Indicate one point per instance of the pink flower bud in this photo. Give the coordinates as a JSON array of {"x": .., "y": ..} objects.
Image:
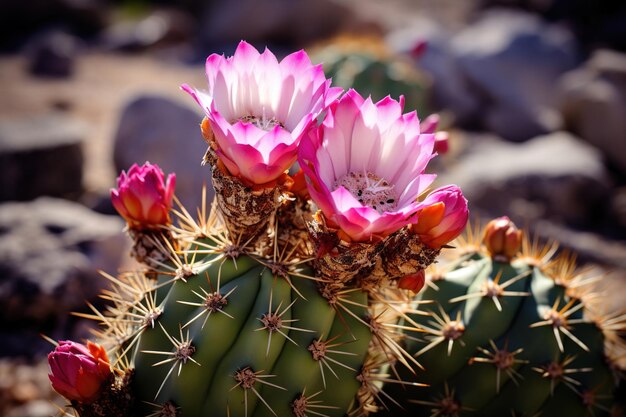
[
  {"x": 502, "y": 238},
  {"x": 429, "y": 125},
  {"x": 77, "y": 371},
  {"x": 143, "y": 197},
  {"x": 442, "y": 145},
  {"x": 414, "y": 282},
  {"x": 443, "y": 218}
]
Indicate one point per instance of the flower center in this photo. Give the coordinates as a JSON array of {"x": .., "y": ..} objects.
[
  {"x": 263, "y": 122},
  {"x": 370, "y": 189}
]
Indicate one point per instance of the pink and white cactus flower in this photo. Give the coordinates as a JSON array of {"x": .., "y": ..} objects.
[
  {"x": 365, "y": 166},
  {"x": 143, "y": 196},
  {"x": 77, "y": 371},
  {"x": 259, "y": 109},
  {"x": 443, "y": 218}
]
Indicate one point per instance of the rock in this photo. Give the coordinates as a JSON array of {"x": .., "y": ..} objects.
[
  {"x": 593, "y": 101},
  {"x": 38, "y": 408},
  {"x": 25, "y": 390},
  {"x": 19, "y": 19},
  {"x": 301, "y": 22},
  {"x": 450, "y": 89},
  {"x": 52, "y": 54},
  {"x": 512, "y": 60},
  {"x": 50, "y": 254},
  {"x": 41, "y": 155},
  {"x": 556, "y": 177},
  {"x": 588, "y": 246},
  {"x": 159, "y": 29},
  {"x": 594, "y": 23},
  {"x": 161, "y": 131}
]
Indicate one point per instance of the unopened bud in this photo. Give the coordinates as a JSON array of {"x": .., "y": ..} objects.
[
  {"x": 502, "y": 238},
  {"x": 414, "y": 282},
  {"x": 143, "y": 196},
  {"x": 443, "y": 217},
  {"x": 77, "y": 371}
]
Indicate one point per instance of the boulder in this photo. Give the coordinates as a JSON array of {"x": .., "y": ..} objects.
[
  {"x": 593, "y": 102},
  {"x": 556, "y": 177},
  {"x": 511, "y": 60},
  {"x": 52, "y": 54},
  {"x": 161, "y": 28},
  {"x": 593, "y": 22},
  {"x": 50, "y": 254},
  {"x": 302, "y": 22},
  {"x": 450, "y": 90},
  {"x": 162, "y": 131},
  {"x": 41, "y": 155}
]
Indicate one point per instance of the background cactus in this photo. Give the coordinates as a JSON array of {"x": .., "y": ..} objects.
[
  {"x": 510, "y": 332},
  {"x": 367, "y": 64}
]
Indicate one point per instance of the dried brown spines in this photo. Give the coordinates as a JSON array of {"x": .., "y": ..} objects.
[
  {"x": 372, "y": 265},
  {"x": 405, "y": 254},
  {"x": 245, "y": 208},
  {"x": 149, "y": 247},
  {"x": 339, "y": 261}
]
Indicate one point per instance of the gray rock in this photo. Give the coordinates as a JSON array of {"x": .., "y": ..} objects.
[
  {"x": 512, "y": 60},
  {"x": 160, "y": 28},
  {"x": 41, "y": 155},
  {"x": 593, "y": 101},
  {"x": 37, "y": 408},
  {"x": 588, "y": 246},
  {"x": 52, "y": 54},
  {"x": 164, "y": 132},
  {"x": 50, "y": 254},
  {"x": 450, "y": 89},
  {"x": 299, "y": 21},
  {"x": 556, "y": 176}
]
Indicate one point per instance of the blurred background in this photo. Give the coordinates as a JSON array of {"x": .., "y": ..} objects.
[{"x": 533, "y": 93}]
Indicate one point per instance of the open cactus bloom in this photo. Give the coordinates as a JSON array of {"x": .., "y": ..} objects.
[
  {"x": 259, "y": 109},
  {"x": 143, "y": 196},
  {"x": 77, "y": 371},
  {"x": 365, "y": 165}
]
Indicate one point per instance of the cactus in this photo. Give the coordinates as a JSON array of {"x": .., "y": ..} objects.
[
  {"x": 367, "y": 65},
  {"x": 510, "y": 332},
  {"x": 265, "y": 305},
  {"x": 240, "y": 336}
]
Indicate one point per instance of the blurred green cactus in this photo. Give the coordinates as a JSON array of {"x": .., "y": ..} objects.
[{"x": 367, "y": 65}]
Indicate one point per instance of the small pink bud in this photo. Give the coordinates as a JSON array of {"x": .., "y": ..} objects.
[
  {"x": 414, "y": 282},
  {"x": 442, "y": 145},
  {"x": 143, "y": 197},
  {"x": 429, "y": 125},
  {"x": 418, "y": 49},
  {"x": 77, "y": 371},
  {"x": 443, "y": 218},
  {"x": 502, "y": 238}
]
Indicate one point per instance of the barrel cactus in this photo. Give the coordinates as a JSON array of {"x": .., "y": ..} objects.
[
  {"x": 282, "y": 298},
  {"x": 508, "y": 328}
]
